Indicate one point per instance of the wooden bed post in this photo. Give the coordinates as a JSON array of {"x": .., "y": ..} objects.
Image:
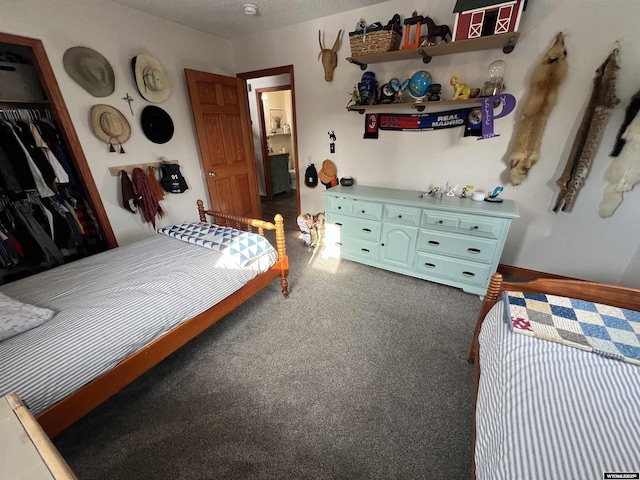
[
  {"x": 490, "y": 299},
  {"x": 282, "y": 254}
]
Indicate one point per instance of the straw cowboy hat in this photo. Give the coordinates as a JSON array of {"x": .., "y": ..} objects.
[
  {"x": 90, "y": 70},
  {"x": 328, "y": 171},
  {"x": 109, "y": 124},
  {"x": 151, "y": 77}
]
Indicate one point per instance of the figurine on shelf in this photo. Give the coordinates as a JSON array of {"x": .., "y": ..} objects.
[
  {"x": 435, "y": 31},
  {"x": 461, "y": 91},
  {"x": 355, "y": 97},
  {"x": 451, "y": 190},
  {"x": 433, "y": 94}
]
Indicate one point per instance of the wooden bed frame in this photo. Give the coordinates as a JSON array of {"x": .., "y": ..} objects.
[
  {"x": 70, "y": 409},
  {"x": 614, "y": 295}
]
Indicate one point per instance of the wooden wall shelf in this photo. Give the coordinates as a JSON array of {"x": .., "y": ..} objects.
[
  {"x": 420, "y": 106},
  {"x": 506, "y": 41}
]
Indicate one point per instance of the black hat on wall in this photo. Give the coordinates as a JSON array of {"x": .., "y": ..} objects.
[
  {"x": 156, "y": 124},
  {"x": 311, "y": 176}
]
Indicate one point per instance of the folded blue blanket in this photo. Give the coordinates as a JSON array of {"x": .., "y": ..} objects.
[
  {"x": 609, "y": 331},
  {"x": 241, "y": 247}
]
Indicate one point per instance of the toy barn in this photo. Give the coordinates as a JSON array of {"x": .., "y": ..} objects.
[{"x": 481, "y": 18}]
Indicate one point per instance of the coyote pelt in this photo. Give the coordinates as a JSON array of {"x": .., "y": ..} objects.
[{"x": 544, "y": 84}]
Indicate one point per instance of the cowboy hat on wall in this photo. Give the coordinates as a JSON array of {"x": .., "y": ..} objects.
[
  {"x": 90, "y": 70},
  {"x": 110, "y": 126},
  {"x": 151, "y": 78}
]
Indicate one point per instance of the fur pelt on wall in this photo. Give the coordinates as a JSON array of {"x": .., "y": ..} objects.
[
  {"x": 544, "y": 84},
  {"x": 603, "y": 100},
  {"x": 630, "y": 113},
  {"x": 624, "y": 171}
]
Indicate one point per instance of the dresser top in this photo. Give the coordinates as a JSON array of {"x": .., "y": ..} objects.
[{"x": 507, "y": 208}]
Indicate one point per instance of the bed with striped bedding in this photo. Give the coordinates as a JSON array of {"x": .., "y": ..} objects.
[
  {"x": 546, "y": 410},
  {"x": 109, "y": 306}
]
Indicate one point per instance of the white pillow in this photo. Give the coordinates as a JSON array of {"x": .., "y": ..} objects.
[{"x": 17, "y": 317}]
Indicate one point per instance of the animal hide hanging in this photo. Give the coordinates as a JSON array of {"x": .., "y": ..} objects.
[
  {"x": 544, "y": 84},
  {"x": 624, "y": 171},
  {"x": 630, "y": 113},
  {"x": 603, "y": 100}
]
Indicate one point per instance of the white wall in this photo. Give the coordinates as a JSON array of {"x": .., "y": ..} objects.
[
  {"x": 119, "y": 34},
  {"x": 578, "y": 244}
]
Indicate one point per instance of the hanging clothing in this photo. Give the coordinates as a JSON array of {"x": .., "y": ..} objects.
[
  {"x": 148, "y": 204},
  {"x": 50, "y": 134},
  {"x": 61, "y": 174}
]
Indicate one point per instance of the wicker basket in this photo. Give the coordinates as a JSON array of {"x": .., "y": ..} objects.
[{"x": 376, "y": 42}]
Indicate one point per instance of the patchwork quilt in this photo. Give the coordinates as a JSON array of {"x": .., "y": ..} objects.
[
  {"x": 609, "y": 331},
  {"x": 239, "y": 246}
]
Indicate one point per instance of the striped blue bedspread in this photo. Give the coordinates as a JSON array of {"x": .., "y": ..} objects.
[
  {"x": 548, "y": 411},
  {"x": 107, "y": 307}
]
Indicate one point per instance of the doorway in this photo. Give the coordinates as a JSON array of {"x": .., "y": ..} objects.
[{"x": 271, "y": 99}]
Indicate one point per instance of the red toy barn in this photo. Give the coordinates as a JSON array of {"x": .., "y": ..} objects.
[{"x": 480, "y": 18}]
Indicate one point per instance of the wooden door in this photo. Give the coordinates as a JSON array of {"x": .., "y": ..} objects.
[{"x": 221, "y": 115}]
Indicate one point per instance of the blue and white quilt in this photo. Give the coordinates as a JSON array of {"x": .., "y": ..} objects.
[
  {"x": 609, "y": 331},
  {"x": 241, "y": 247}
]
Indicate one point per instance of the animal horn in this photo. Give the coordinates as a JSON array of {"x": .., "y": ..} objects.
[{"x": 336, "y": 44}]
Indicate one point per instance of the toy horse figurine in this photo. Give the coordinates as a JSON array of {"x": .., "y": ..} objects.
[{"x": 435, "y": 31}]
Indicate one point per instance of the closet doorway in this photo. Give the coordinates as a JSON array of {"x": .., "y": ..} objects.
[
  {"x": 50, "y": 215},
  {"x": 271, "y": 99}
]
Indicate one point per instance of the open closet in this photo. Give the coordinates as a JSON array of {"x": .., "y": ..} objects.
[{"x": 50, "y": 209}]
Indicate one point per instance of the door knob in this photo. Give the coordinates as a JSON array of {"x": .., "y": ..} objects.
[{"x": 212, "y": 174}]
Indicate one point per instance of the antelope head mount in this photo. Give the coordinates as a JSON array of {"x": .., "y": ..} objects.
[{"x": 329, "y": 56}]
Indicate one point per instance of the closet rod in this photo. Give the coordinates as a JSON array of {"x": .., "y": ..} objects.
[{"x": 115, "y": 171}]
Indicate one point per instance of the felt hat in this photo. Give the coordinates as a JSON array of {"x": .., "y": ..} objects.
[
  {"x": 311, "y": 176},
  {"x": 151, "y": 78},
  {"x": 156, "y": 124},
  {"x": 328, "y": 171},
  {"x": 109, "y": 124},
  {"x": 90, "y": 70}
]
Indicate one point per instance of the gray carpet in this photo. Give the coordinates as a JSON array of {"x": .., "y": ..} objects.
[{"x": 360, "y": 374}]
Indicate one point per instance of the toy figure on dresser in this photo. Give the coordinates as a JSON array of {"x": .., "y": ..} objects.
[
  {"x": 451, "y": 190},
  {"x": 493, "y": 196},
  {"x": 461, "y": 91},
  {"x": 466, "y": 190}
]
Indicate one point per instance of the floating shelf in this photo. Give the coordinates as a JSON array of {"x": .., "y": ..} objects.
[
  {"x": 506, "y": 41},
  {"x": 420, "y": 106}
]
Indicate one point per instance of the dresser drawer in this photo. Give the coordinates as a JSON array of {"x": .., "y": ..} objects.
[
  {"x": 463, "y": 246},
  {"x": 356, "y": 227},
  {"x": 459, "y": 270},
  {"x": 357, "y": 208},
  {"x": 475, "y": 225},
  {"x": 359, "y": 249},
  {"x": 401, "y": 214}
]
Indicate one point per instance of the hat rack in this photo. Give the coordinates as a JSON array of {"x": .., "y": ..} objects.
[{"x": 115, "y": 171}]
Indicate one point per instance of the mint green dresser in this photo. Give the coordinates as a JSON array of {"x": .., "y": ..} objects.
[{"x": 454, "y": 241}]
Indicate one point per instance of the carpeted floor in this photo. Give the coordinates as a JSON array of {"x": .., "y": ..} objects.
[{"x": 360, "y": 374}]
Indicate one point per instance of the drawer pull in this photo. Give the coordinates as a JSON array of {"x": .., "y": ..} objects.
[
  {"x": 399, "y": 216},
  {"x": 434, "y": 243},
  {"x": 339, "y": 243},
  {"x": 365, "y": 250},
  {"x": 338, "y": 224},
  {"x": 440, "y": 222},
  {"x": 475, "y": 251},
  {"x": 430, "y": 265},
  {"x": 362, "y": 211},
  {"x": 468, "y": 274},
  {"x": 368, "y": 230},
  {"x": 475, "y": 227}
]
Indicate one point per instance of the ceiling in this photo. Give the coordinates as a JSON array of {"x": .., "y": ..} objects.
[{"x": 226, "y": 18}]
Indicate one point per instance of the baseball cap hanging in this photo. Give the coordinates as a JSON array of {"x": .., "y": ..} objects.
[
  {"x": 151, "y": 78},
  {"x": 311, "y": 176},
  {"x": 156, "y": 124},
  {"x": 328, "y": 171},
  {"x": 90, "y": 70},
  {"x": 110, "y": 126}
]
